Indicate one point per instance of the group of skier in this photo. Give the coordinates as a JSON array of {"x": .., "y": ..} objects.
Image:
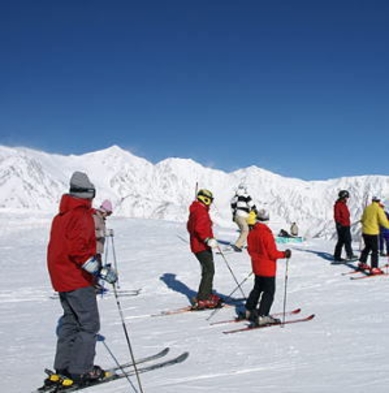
[
  {"x": 375, "y": 227},
  {"x": 76, "y": 245}
]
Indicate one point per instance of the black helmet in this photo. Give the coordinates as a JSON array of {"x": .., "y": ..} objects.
[{"x": 344, "y": 194}]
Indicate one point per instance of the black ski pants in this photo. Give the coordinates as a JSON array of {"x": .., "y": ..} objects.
[
  {"x": 344, "y": 239},
  {"x": 371, "y": 245},
  {"x": 207, "y": 273},
  {"x": 263, "y": 292}
]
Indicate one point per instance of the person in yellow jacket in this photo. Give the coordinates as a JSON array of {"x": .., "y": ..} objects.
[{"x": 372, "y": 218}]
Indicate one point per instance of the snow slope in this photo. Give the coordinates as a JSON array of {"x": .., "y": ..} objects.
[{"x": 344, "y": 349}]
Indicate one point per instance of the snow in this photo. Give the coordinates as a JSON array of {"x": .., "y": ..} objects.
[
  {"x": 344, "y": 349},
  {"x": 32, "y": 180}
]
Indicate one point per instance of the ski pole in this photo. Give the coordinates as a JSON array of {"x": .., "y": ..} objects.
[
  {"x": 114, "y": 256},
  {"x": 106, "y": 249},
  {"x": 232, "y": 273},
  {"x": 285, "y": 292},
  {"x": 127, "y": 337},
  {"x": 229, "y": 296},
  {"x": 102, "y": 339}
]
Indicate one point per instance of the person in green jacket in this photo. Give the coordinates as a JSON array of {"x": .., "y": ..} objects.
[{"x": 372, "y": 218}]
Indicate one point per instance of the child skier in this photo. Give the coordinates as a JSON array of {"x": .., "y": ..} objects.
[{"x": 262, "y": 249}]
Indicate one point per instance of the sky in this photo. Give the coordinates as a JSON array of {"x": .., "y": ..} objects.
[{"x": 299, "y": 88}]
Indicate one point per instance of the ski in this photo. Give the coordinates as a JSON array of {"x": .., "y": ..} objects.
[
  {"x": 225, "y": 242},
  {"x": 107, "y": 292},
  {"x": 367, "y": 274},
  {"x": 112, "y": 370},
  {"x": 358, "y": 270},
  {"x": 145, "y": 359},
  {"x": 185, "y": 309},
  {"x": 120, "y": 292},
  {"x": 114, "y": 374},
  {"x": 290, "y": 321},
  {"x": 292, "y": 312}
]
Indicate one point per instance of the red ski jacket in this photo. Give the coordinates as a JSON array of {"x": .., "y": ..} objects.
[
  {"x": 199, "y": 226},
  {"x": 262, "y": 249},
  {"x": 72, "y": 242},
  {"x": 342, "y": 213}
]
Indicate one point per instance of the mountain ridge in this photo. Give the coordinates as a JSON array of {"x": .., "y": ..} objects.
[{"x": 35, "y": 180}]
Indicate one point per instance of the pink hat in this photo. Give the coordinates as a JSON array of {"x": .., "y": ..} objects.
[{"x": 107, "y": 206}]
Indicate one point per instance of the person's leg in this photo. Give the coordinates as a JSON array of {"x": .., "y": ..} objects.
[
  {"x": 67, "y": 330},
  {"x": 374, "y": 251},
  {"x": 339, "y": 244},
  {"x": 269, "y": 288},
  {"x": 83, "y": 304},
  {"x": 366, "y": 249},
  {"x": 207, "y": 273},
  {"x": 244, "y": 231},
  {"x": 347, "y": 242},
  {"x": 252, "y": 300}
]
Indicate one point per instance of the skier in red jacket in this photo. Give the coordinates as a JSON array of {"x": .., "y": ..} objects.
[
  {"x": 201, "y": 243},
  {"x": 73, "y": 269},
  {"x": 343, "y": 225},
  {"x": 262, "y": 249}
]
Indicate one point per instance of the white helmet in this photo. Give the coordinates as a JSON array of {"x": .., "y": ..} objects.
[
  {"x": 263, "y": 215},
  {"x": 241, "y": 189}
]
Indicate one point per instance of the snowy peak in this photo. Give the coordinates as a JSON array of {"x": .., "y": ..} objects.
[{"x": 35, "y": 180}]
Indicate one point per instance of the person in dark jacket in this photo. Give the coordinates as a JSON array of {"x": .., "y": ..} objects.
[
  {"x": 73, "y": 269},
  {"x": 202, "y": 241},
  {"x": 263, "y": 252},
  {"x": 342, "y": 222}
]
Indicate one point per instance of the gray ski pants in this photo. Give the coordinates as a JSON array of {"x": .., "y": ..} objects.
[{"x": 77, "y": 331}]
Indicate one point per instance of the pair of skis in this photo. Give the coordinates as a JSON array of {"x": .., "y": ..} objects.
[
  {"x": 250, "y": 326},
  {"x": 119, "y": 372},
  {"x": 247, "y": 327},
  {"x": 364, "y": 273}
]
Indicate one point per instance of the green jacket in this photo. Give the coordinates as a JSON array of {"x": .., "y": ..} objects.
[{"x": 373, "y": 216}]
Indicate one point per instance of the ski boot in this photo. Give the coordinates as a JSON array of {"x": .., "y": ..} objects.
[{"x": 266, "y": 320}]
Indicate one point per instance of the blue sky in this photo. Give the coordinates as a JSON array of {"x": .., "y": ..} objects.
[{"x": 297, "y": 87}]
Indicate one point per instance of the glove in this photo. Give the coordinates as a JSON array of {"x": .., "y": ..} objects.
[
  {"x": 108, "y": 273},
  {"x": 212, "y": 242},
  {"x": 288, "y": 253},
  {"x": 92, "y": 266}
]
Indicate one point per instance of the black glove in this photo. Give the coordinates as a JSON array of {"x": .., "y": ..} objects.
[{"x": 288, "y": 253}]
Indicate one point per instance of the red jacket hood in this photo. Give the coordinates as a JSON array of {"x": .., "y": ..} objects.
[{"x": 69, "y": 202}]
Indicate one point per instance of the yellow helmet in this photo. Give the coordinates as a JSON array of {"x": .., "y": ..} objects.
[
  {"x": 205, "y": 196},
  {"x": 251, "y": 218}
]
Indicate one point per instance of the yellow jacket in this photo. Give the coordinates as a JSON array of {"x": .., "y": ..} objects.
[{"x": 373, "y": 216}]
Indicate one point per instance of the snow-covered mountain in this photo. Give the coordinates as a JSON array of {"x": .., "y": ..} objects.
[{"x": 35, "y": 180}]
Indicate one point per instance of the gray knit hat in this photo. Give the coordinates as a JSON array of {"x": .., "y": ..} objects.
[{"x": 81, "y": 187}]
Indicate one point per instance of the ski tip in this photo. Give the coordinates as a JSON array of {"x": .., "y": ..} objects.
[
  {"x": 183, "y": 356},
  {"x": 165, "y": 351}
]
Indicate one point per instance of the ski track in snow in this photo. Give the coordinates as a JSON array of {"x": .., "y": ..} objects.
[{"x": 344, "y": 349}]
